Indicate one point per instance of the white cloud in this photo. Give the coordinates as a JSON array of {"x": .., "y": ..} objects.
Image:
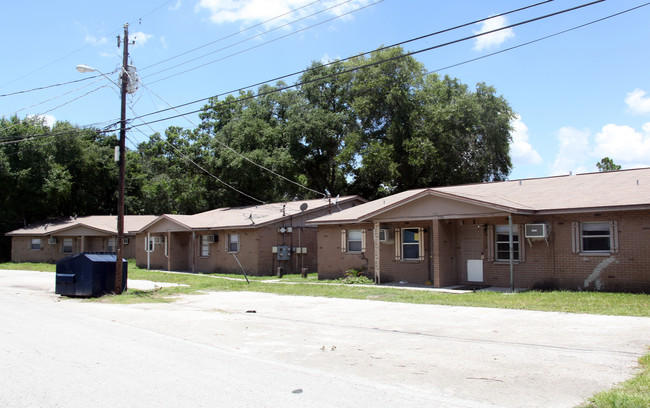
[
  {"x": 326, "y": 59},
  {"x": 91, "y": 39},
  {"x": 255, "y": 11},
  {"x": 47, "y": 120},
  {"x": 623, "y": 144},
  {"x": 521, "y": 150},
  {"x": 489, "y": 41},
  {"x": 573, "y": 149},
  {"x": 140, "y": 38},
  {"x": 637, "y": 102},
  {"x": 175, "y": 6}
]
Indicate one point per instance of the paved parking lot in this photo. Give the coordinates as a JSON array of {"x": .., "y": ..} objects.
[{"x": 256, "y": 349}]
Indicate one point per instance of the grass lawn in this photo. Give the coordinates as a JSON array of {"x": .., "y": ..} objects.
[
  {"x": 621, "y": 304},
  {"x": 631, "y": 394}
]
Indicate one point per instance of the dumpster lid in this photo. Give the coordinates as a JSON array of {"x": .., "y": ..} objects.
[{"x": 101, "y": 257}]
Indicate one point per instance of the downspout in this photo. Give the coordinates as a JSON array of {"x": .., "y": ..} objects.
[
  {"x": 146, "y": 248},
  {"x": 375, "y": 236},
  {"x": 511, "y": 250},
  {"x": 302, "y": 256},
  {"x": 430, "y": 257}
]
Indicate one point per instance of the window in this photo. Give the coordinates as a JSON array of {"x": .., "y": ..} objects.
[
  {"x": 111, "y": 245},
  {"x": 354, "y": 241},
  {"x": 595, "y": 236},
  {"x": 205, "y": 246},
  {"x": 502, "y": 241},
  {"x": 233, "y": 243},
  {"x": 411, "y": 243},
  {"x": 67, "y": 245},
  {"x": 36, "y": 244},
  {"x": 149, "y": 244}
]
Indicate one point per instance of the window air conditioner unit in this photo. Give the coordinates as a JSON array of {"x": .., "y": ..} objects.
[
  {"x": 157, "y": 240},
  {"x": 383, "y": 235},
  {"x": 52, "y": 240},
  {"x": 210, "y": 239},
  {"x": 536, "y": 231},
  {"x": 125, "y": 241}
]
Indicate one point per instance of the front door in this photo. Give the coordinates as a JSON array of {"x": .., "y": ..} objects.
[{"x": 471, "y": 253}]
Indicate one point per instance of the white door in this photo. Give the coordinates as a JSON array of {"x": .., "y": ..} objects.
[
  {"x": 475, "y": 270},
  {"x": 471, "y": 250}
]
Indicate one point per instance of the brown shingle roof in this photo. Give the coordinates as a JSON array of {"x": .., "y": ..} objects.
[
  {"x": 573, "y": 193},
  {"x": 249, "y": 216},
  {"x": 101, "y": 223}
]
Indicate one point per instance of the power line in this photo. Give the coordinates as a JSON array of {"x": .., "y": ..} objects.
[
  {"x": 79, "y": 49},
  {"x": 160, "y": 62},
  {"x": 280, "y": 89},
  {"x": 52, "y": 99},
  {"x": 48, "y": 86},
  {"x": 230, "y": 35},
  {"x": 541, "y": 38},
  {"x": 355, "y": 56},
  {"x": 225, "y": 146},
  {"x": 258, "y": 45}
]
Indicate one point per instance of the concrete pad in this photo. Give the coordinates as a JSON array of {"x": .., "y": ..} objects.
[{"x": 410, "y": 355}]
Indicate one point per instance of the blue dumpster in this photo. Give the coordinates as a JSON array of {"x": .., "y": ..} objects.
[{"x": 88, "y": 274}]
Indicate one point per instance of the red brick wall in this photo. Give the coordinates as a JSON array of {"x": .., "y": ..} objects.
[
  {"x": 411, "y": 271},
  {"x": 332, "y": 263},
  {"x": 556, "y": 266}
]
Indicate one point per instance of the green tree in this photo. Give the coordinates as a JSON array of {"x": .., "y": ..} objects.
[
  {"x": 422, "y": 130},
  {"x": 54, "y": 172},
  {"x": 607, "y": 164},
  {"x": 238, "y": 135}
]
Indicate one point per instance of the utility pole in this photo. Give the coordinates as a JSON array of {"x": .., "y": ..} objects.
[{"x": 119, "y": 269}]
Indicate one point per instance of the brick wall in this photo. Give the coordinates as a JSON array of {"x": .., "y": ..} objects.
[
  {"x": 332, "y": 262},
  {"x": 554, "y": 265}
]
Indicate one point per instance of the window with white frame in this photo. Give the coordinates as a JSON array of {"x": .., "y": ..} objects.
[
  {"x": 67, "y": 245},
  {"x": 354, "y": 241},
  {"x": 411, "y": 243},
  {"x": 111, "y": 245},
  {"x": 36, "y": 244},
  {"x": 502, "y": 242},
  {"x": 205, "y": 246},
  {"x": 233, "y": 243},
  {"x": 595, "y": 237}
]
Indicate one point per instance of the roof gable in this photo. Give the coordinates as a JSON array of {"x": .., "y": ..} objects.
[{"x": 627, "y": 189}]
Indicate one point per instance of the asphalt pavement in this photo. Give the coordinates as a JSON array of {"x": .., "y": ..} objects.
[{"x": 246, "y": 349}]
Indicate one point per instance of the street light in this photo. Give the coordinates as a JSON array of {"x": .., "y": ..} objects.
[
  {"x": 119, "y": 269},
  {"x": 85, "y": 68}
]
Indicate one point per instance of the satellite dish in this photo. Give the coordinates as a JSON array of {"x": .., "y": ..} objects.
[{"x": 303, "y": 206}]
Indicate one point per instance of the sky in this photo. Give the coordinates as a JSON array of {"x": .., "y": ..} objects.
[{"x": 580, "y": 95}]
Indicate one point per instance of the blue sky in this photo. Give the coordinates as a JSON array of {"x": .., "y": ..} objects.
[{"x": 579, "y": 96}]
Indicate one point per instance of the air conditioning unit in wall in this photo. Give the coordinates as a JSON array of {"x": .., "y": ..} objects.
[
  {"x": 125, "y": 241},
  {"x": 536, "y": 231},
  {"x": 211, "y": 239},
  {"x": 52, "y": 240},
  {"x": 157, "y": 240}
]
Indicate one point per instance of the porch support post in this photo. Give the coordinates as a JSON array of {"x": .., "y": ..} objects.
[
  {"x": 511, "y": 250},
  {"x": 375, "y": 240},
  {"x": 146, "y": 248}
]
